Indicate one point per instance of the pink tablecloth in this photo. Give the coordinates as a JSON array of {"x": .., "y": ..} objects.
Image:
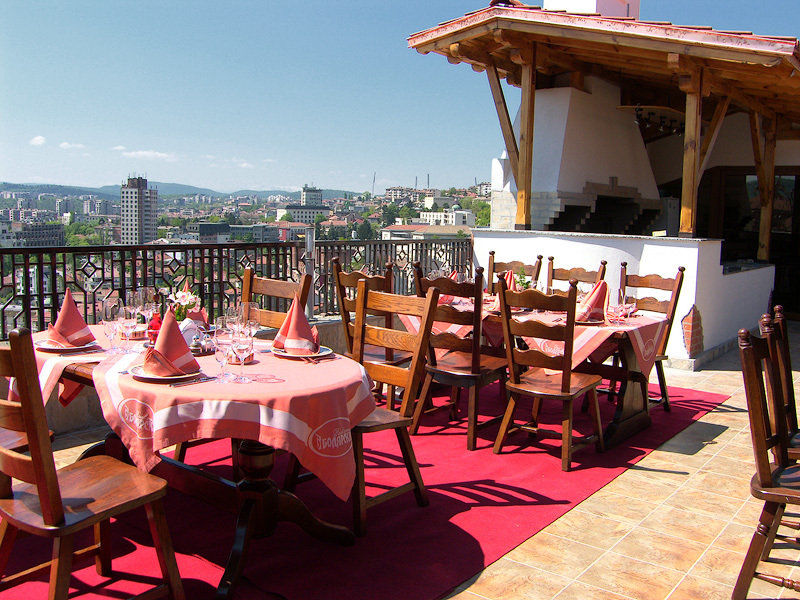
[
  {"x": 308, "y": 409},
  {"x": 51, "y": 365},
  {"x": 644, "y": 333}
]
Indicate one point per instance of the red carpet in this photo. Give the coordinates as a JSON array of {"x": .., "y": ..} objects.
[{"x": 481, "y": 506}]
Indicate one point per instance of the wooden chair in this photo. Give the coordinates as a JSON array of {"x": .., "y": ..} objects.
[
  {"x": 85, "y": 494},
  {"x": 534, "y": 381},
  {"x": 665, "y": 307},
  {"x": 783, "y": 360},
  {"x": 776, "y": 480},
  {"x": 496, "y": 268},
  {"x": 273, "y": 291},
  {"x": 459, "y": 362},
  {"x": 406, "y": 376},
  {"x": 346, "y": 284},
  {"x": 578, "y": 274}
]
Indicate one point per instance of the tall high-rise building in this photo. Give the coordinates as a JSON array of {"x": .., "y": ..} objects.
[
  {"x": 311, "y": 196},
  {"x": 139, "y": 209}
]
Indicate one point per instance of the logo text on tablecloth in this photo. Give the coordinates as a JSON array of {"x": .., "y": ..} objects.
[
  {"x": 331, "y": 439},
  {"x": 138, "y": 416}
]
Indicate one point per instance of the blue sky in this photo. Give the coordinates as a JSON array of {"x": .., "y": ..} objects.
[{"x": 262, "y": 94}]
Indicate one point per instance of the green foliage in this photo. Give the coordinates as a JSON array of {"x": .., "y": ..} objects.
[
  {"x": 389, "y": 213},
  {"x": 365, "y": 231},
  {"x": 483, "y": 213},
  {"x": 287, "y": 217},
  {"x": 522, "y": 282},
  {"x": 320, "y": 218},
  {"x": 408, "y": 212}
]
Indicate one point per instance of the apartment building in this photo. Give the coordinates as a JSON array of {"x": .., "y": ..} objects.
[{"x": 139, "y": 211}]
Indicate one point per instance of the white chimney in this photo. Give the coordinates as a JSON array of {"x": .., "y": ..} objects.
[{"x": 609, "y": 8}]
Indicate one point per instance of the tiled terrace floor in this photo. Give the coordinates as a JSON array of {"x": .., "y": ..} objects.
[{"x": 674, "y": 526}]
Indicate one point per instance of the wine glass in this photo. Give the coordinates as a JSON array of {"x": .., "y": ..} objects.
[
  {"x": 128, "y": 325},
  {"x": 111, "y": 310},
  {"x": 222, "y": 340},
  {"x": 243, "y": 349},
  {"x": 233, "y": 316}
]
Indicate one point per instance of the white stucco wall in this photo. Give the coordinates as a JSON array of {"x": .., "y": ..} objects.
[
  {"x": 601, "y": 141},
  {"x": 726, "y": 302},
  {"x": 611, "y": 8}
]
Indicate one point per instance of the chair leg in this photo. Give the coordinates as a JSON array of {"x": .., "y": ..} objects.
[
  {"x": 472, "y": 418},
  {"x": 235, "y": 443},
  {"x": 390, "y": 397},
  {"x": 180, "y": 452},
  {"x": 359, "y": 487},
  {"x": 773, "y": 531},
  {"x": 61, "y": 567},
  {"x": 419, "y": 408},
  {"x": 598, "y": 426},
  {"x": 164, "y": 550},
  {"x": 102, "y": 537},
  {"x": 537, "y": 405},
  {"x": 566, "y": 436},
  {"x": 662, "y": 383},
  {"x": 410, "y": 460},
  {"x": 8, "y": 534},
  {"x": 753, "y": 555},
  {"x": 508, "y": 419},
  {"x": 612, "y": 383}
]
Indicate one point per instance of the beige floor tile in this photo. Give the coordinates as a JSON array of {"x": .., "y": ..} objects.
[
  {"x": 463, "y": 595},
  {"x": 617, "y": 507},
  {"x": 510, "y": 580},
  {"x": 692, "y": 526},
  {"x": 631, "y": 577},
  {"x": 749, "y": 513},
  {"x": 732, "y": 487},
  {"x": 694, "y": 459},
  {"x": 738, "y": 452},
  {"x": 555, "y": 554},
  {"x": 719, "y": 565},
  {"x": 661, "y": 549},
  {"x": 728, "y": 466},
  {"x": 582, "y": 591},
  {"x": 735, "y": 537},
  {"x": 695, "y": 588},
  {"x": 666, "y": 473},
  {"x": 640, "y": 486},
  {"x": 589, "y": 528},
  {"x": 702, "y": 501}
]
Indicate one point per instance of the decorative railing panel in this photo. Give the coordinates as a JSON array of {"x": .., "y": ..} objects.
[{"x": 33, "y": 280}]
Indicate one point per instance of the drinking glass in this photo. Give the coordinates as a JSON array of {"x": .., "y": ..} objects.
[
  {"x": 111, "y": 310},
  {"x": 128, "y": 325},
  {"x": 233, "y": 316},
  {"x": 222, "y": 349},
  {"x": 243, "y": 348}
]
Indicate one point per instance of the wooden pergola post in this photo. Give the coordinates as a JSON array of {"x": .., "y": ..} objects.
[
  {"x": 692, "y": 85},
  {"x": 764, "y": 158},
  {"x": 506, "y": 126},
  {"x": 525, "y": 171}
]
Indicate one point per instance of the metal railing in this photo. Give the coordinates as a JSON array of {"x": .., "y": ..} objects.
[{"x": 34, "y": 279}]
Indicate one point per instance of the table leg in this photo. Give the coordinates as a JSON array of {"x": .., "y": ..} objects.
[
  {"x": 263, "y": 506},
  {"x": 631, "y": 415}
]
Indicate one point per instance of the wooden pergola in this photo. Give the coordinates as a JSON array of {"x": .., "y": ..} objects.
[{"x": 702, "y": 73}]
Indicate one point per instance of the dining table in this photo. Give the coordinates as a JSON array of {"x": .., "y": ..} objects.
[
  {"x": 303, "y": 406},
  {"x": 636, "y": 337}
]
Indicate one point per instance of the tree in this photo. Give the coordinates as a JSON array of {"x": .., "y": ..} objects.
[
  {"x": 365, "y": 231},
  {"x": 390, "y": 213},
  {"x": 287, "y": 217},
  {"x": 483, "y": 213}
]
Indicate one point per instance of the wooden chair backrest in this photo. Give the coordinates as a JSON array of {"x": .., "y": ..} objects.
[
  {"x": 497, "y": 268},
  {"x": 562, "y": 332},
  {"x": 446, "y": 313},
  {"x": 276, "y": 289},
  {"x": 409, "y": 375},
  {"x": 578, "y": 274},
  {"x": 783, "y": 360},
  {"x": 764, "y": 404},
  {"x": 346, "y": 284},
  {"x": 24, "y": 412},
  {"x": 653, "y": 282}
]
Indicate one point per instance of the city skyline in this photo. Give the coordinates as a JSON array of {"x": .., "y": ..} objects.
[{"x": 252, "y": 96}]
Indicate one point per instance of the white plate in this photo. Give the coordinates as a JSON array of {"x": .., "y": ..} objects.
[
  {"x": 263, "y": 346},
  {"x": 323, "y": 351},
  {"x": 590, "y": 322},
  {"x": 138, "y": 373},
  {"x": 48, "y": 346}
]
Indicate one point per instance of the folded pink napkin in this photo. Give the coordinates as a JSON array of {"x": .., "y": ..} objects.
[
  {"x": 511, "y": 281},
  {"x": 295, "y": 335},
  {"x": 595, "y": 304},
  {"x": 170, "y": 355},
  {"x": 70, "y": 329},
  {"x": 199, "y": 316}
]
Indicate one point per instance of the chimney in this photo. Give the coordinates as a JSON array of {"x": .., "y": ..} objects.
[{"x": 608, "y": 8}]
